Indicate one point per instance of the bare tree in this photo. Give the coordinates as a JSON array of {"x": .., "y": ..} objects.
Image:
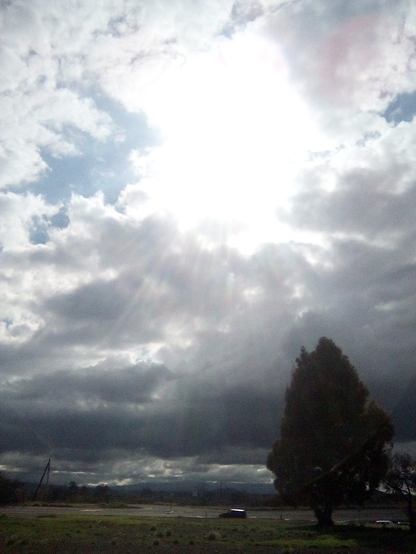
[{"x": 401, "y": 479}]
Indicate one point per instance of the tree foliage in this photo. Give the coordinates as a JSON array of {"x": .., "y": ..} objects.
[
  {"x": 334, "y": 441},
  {"x": 401, "y": 479},
  {"x": 9, "y": 490}
]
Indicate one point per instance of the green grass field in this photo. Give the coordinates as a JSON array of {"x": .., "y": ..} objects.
[{"x": 123, "y": 535}]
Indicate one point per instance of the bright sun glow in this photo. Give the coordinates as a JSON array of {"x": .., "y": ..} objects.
[{"x": 234, "y": 133}]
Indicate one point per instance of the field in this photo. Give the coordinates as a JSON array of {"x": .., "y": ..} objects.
[{"x": 127, "y": 534}]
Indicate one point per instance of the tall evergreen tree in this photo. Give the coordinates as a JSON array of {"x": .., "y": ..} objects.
[{"x": 334, "y": 441}]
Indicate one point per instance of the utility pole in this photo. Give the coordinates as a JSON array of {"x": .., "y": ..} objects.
[{"x": 46, "y": 472}]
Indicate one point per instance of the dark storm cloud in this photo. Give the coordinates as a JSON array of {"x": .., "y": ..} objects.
[
  {"x": 230, "y": 455},
  {"x": 239, "y": 402},
  {"x": 96, "y": 415},
  {"x": 133, "y": 384},
  {"x": 213, "y": 416},
  {"x": 403, "y": 414},
  {"x": 101, "y": 411},
  {"x": 372, "y": 288}
]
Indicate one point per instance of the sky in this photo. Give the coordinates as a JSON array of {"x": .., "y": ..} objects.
[{"x": 191, "y": 191}]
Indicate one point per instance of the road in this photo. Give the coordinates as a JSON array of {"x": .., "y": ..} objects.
[{"x": 147, "y": 510}]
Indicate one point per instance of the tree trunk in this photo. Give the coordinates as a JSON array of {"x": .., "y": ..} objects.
[{"x": 324, "y": 515}]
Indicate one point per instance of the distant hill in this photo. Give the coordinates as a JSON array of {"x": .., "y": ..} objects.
[{"x": 196, "y": 486}]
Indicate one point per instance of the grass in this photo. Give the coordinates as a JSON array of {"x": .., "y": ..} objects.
[{"x": 127, "y": 534}]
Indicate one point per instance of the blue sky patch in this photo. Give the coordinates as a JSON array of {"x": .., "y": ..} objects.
[
  {"x": 102, "y": 165},
  {"x": 403, "y": 108}
]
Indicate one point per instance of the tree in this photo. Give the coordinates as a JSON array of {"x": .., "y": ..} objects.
[
  {"x": 102, "y": 491},
  {"x": 401, "y": 478},
  {"x": 9, "y": 490},
  {"x": 334, "y": 441}
]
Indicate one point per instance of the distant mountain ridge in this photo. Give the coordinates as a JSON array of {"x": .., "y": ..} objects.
[{"x": 198, "y": 487}]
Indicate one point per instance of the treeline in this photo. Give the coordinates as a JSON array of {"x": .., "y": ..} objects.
[
  {"x": 105, "y": 494},
  {"x": 13, "y": 491}
]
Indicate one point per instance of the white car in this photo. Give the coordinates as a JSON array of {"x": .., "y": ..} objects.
[
  {"x": 234, "y": 512},
  {"x": 384, "y": 522}
]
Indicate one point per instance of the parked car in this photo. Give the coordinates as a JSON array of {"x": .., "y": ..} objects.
[
  {"x": 234, "y": 512},
  {"x": 384, "y": 522}
]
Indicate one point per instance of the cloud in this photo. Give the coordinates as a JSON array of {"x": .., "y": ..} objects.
[
  {"x": 227, "y": 326},
  {"x": 134, "y": 384},
  {"x": 94, "y": 415},
  {"x": 190, "y": 193}
]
